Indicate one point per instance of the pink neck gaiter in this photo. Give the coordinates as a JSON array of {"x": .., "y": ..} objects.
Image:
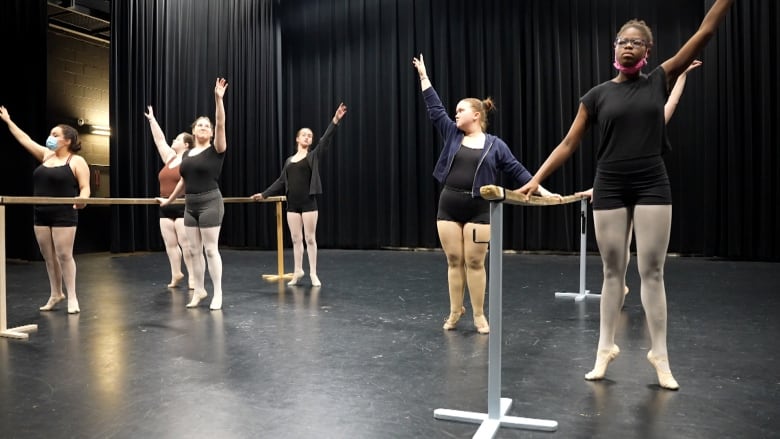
[{"x": 632, "y": 69}]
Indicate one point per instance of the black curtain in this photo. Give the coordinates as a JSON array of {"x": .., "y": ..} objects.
[
  {"x": 535, "y": 58},
  {"x": 23, "y": 93},
  {"x": 168, "y": 54}
]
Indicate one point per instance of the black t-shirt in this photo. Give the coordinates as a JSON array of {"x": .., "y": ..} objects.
[
  {"x": 630, "y": 117},
  {"x": 201, "y": 171}
]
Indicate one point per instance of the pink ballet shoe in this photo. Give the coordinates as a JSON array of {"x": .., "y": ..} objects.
[
  {"x": 176, "y": 280},
  {"x": 661, "y": 365},
  {"x": 452, "y": 320},
  {"x": 482, "y": 324},
  {"x": 603, "y": 358},
  {"x": 296, "y": 278},
  {"x": 53, "y": 301},
  {"x": 73, "y": 307},
  {"x": 197, "y": 296},
  {"x": 315, "y": 281},
  {"x": 216, "y": 303}
]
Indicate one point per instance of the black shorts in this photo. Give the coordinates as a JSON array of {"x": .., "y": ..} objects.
[
  {"x": 172, "y": 211},
  {"x": 458, "y": 205},
  {"x": 631, "y": 182},
  {"x": 309, "y": 204},
  {"x": 55, "y": 215}
]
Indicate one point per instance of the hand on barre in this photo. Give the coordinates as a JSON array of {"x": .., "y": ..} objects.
[{"x": 258, "y": 197}]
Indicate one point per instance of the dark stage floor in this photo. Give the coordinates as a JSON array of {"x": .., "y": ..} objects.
[{"x": 365, "y": 356}]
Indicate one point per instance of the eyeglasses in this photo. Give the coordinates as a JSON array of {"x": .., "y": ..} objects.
[{"x": 638, "y": 42}]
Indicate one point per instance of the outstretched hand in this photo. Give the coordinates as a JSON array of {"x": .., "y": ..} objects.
[
  {"x": 220, "y": 87},
  {"x": 696, "y": 63},
  {"x": 419, "y": 64},
  {"x": 150, "y": 113},
  {"x": 340, "y": 112},
  {"x": 527, "y": 190},
  {"x": 4, "y": 114}
]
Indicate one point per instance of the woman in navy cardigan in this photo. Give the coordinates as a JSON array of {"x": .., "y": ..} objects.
[{"x": 470, "y": 159}]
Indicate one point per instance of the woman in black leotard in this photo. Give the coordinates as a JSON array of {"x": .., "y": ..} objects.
[
  {"x": 61, "y": 173},
  {"x": 300, "y": 182}
]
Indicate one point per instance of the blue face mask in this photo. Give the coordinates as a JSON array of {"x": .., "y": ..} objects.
[{"x": 51, "y": 143}]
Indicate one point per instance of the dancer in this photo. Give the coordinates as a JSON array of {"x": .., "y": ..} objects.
[
  {"x": 631, "y": 183},
  {"x": 172, "y": 215},
  {"x": 470, "y": 159},
  {"x": 300, "y": 182},
  {"x": 200, "y": 169},
  {"x": 61, "y": 173},
  {"x": 671, "y": 105}
]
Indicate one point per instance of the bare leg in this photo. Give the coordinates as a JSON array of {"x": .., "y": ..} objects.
[
  {"x": 184, "y": 243},
  {"x": 168, "y": 232},
  {"x": 46, "y": 244},
  {"x": 310, "y": 233},
  {"x": 451, "y": 237},
  {"x": 612, "y": 234},
  {"x": 63, "y": 238},
  {"x": 198, "y": 265},
  {"x": 295, "y": 223},
  {"x": 210, "y": 237},
  {"x": 475, "y": 254},
  {"x": 653, "y": 226}
]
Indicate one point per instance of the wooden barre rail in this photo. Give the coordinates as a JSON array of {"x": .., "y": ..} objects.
[
  {"x": 105, "y": 201},
  {"x": 498, "y": 193}
]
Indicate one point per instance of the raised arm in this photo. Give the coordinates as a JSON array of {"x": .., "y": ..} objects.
[
  {"x": 560, "y": 154},
  {"x": 38, "y": 151},
  {"x": 419, "y": 64},
  {"x": 220, "y": 141},
  {"x": 677, "y": 64},
  {"x": 165, "y": 150},
  {"x": 679, "y": 86}
]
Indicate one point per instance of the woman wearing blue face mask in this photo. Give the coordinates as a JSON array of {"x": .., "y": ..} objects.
[{"x": 61, "y": 173}]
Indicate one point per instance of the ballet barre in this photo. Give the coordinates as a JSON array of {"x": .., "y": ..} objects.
[
  {"x": 496, "y": 416},
  {"x": 21, "y": 332}
]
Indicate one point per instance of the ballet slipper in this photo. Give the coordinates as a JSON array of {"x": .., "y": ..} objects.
[
  {"x": 482, "y": 324},
  {"x": 661, "y": 365},
  {"x": 52, "y": 302},
  {"x": 603, "y": 358},
  {"x": 296, "y": 277},
  {"x": 197, "y": 296},
  {"x": 315, "y": 281},
  {"x": 73, "y": 307},
  {"x": 216, "y": 303},
  {"x": 452, "y": 320},
  {"x": 175, "y": 280}
]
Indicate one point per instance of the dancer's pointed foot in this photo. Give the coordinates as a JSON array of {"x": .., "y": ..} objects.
[
  {"x": 53, "y": 301},
  {"x": 315, "y": 281},
  {"x": 661, "y": 365},
  {"x": 175, "y": 280},
  {"x": 216, "y": 303},
  {"x": 73, "y": 306},
  {"x": 481, "y": 323},
  {"x": 452, "y": 320},
  {"x": 296, "y": 278},
  {"x": 603, "y": 358},
  {"x": 197, "y": 296}
]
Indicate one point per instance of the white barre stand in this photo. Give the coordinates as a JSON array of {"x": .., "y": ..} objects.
[
  {"x": 496, "y": 416},
  {"x": 20, "y": 332},
  {"x": 583, "y": 293}
]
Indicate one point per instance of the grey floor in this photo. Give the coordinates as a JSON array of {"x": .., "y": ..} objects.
[{"x": 364, "y": 356}]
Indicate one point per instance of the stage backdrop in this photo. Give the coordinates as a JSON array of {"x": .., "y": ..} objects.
[{"x": 289, "y": 63}]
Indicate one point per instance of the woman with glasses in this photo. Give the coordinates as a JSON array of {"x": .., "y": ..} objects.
[{"x": 631, "y": 183}]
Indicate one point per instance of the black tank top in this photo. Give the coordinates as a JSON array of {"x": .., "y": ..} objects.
[
  {"x": 57, "y": 181},
  {"x": 464, "y": 168}
]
